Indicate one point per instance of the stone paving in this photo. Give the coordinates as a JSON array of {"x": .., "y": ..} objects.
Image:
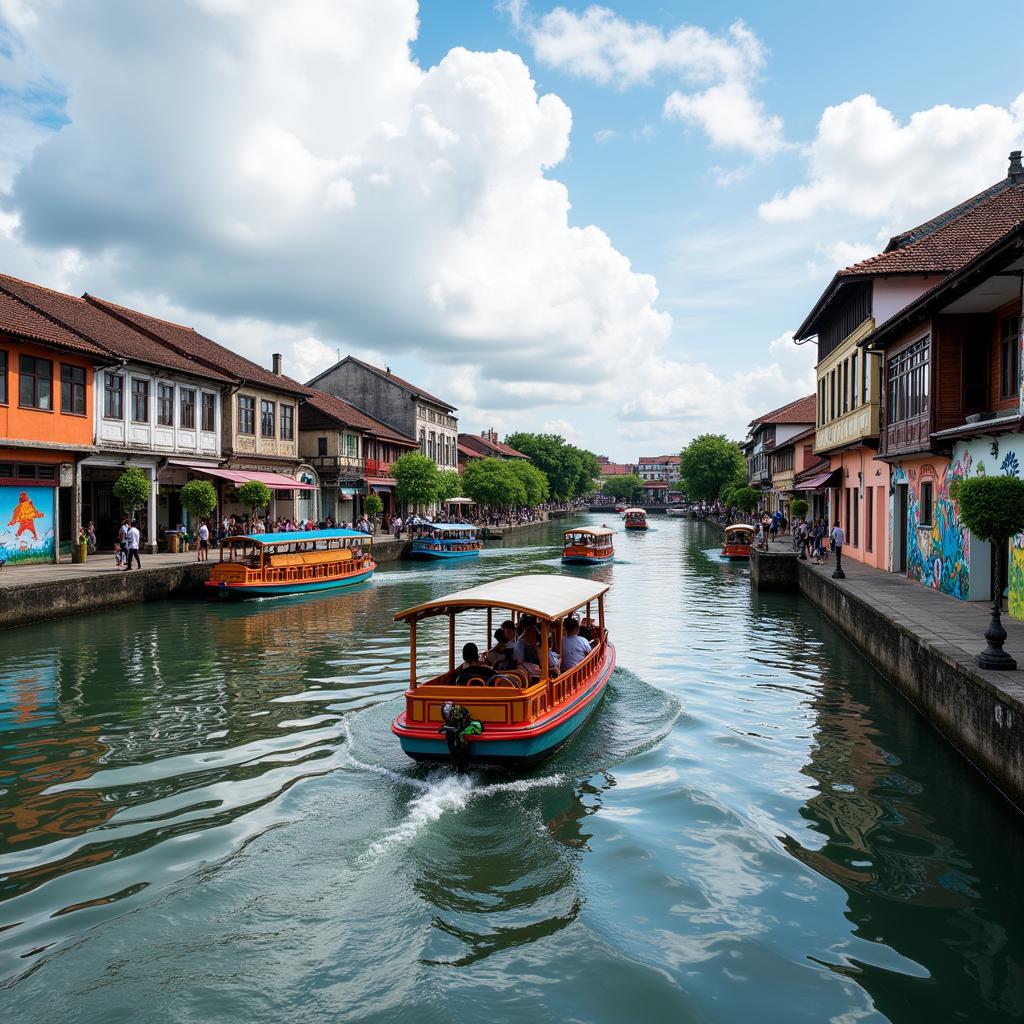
[{"x": 96, "y": 565}]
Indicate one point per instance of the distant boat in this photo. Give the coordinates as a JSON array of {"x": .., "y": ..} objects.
[
  {"x": 301, "y": 562},
  {"x": 636, "y": 519},
  {"x": 447, "y": 540},
  {"x": 738, "y": 539},
  {"x": 511, "y": 717},
  {"x": 587, "y": 546}
]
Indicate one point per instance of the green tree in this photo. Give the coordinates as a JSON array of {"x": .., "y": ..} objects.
[
  {"x": 992, "y": 508},
  {"x": 132, "y": 489},
  {"x": 534, "y": 482},
  {"x": 254, "y": 494},
  {"x": 624, "y": 488},
  {"x": 199, "y": 499},
  {"x": 708, "y": 464},
  {"x": 373, "y": 506},
  {"x": 746, "y": 498},
  {"x": 493, "y": 482},
  {"x": 449, "y": 485},
  {"x": 570, "y": 471},
  {"x": 417, "y": 479},
  {"x": 798, "y": 508}
]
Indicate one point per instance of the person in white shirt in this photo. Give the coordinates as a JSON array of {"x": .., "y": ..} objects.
[
  {"x": 133, "y": 540},
  {"x": 838, "y": 538},
  {"x": 204, "y": 542},
  {"x": 574, "y": 647}
]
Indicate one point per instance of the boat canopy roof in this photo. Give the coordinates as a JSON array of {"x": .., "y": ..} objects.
[
  {"x": 299, "y": 535},
  {"x": 739, "y": 528},
  {"x": 545, "y": 596},
  {"x": 443, "y": 527},
  {"x": 642, "y": 512},
  {"x": 590, "y": 531}
]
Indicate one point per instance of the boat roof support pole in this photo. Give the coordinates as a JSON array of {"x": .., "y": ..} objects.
[
  {"x": 412, "y": 653},
  {"x": 490, "y": 630},
  {"x": 600, "y": 617},
  {"x": 451, "y": 641},
  {"x": 543, "y": 655}
]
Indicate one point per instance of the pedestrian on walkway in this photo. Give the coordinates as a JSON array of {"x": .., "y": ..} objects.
[
  {"x": 204, "y": 542},
  {"x": 838, "y": 538},
  {"x": 134, "y": 539},
  {"x": 121, "y": 547}
]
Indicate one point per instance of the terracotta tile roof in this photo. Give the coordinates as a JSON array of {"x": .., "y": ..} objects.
[
  {"x": 469, "y": 453},
  {"x": 394, "y": 378},
  {"x": 104, "y": 330},
  {"x": 668, "y": 460},
  {"x": 485, "y": 446},
  {"x": 803, "y": 410},
  {"x": 617, "y": 469},
  {"x": 190, "y": 343},
  {"x": 821, "y": 466},
  {"x": 25, "y": 322},
  {"x": 349, "y": 415}
]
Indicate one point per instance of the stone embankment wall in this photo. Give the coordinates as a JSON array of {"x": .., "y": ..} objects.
[
  {"x": 983, "y": 720},
  {"x": 773, "y": 570}
]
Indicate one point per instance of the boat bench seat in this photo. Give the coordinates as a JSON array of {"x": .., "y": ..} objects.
[{"x": 310, "y": 558}]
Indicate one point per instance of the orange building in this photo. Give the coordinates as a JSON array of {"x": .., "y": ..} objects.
[{"x": 46, "y": 426}]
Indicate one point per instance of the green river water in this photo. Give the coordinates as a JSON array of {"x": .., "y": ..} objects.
[{"x": 204, "y": 817}]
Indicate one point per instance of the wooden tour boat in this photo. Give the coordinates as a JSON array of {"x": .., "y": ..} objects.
[
  {"x": 636, "y": 519},
  {"x": 447, "y": 540},
  {"x": 587, "y": 546},
  {"x": 738, "y": 539},
  {"x": 524, "y": 719},
  {"x": 268, "y": 564}
]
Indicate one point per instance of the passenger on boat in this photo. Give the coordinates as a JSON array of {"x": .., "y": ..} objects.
[
  {"x": 500, "y": 656},
  {"x": 472, "y": 672},
  {"x": 527, "y": 652},
  {"x": 574, "y": 647}
]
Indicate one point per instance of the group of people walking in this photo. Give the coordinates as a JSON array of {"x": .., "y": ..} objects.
[{"x": 811, "y": 536}]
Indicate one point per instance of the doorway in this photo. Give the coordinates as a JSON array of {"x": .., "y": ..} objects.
[{"x": 899, "y": 532}]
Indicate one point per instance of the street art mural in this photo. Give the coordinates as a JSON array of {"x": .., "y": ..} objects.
[
  {"x": 937, "y": 555},
  {"x": 999, "y": 457},
  {"x": 26, "y": 524}
]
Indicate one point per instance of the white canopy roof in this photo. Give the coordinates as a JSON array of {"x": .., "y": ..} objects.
[{"x": 545, "y": 596}]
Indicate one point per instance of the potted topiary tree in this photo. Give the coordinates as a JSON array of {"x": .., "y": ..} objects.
[
  {"x": 254, "y": 494},
  {"x": 992, "y": 508},
  {"x": 199, "y": 500},
  {"x": 132, "y": 490},
  {"x": 373, "y": 505}
]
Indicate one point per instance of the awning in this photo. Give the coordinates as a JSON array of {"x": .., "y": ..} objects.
[
  {"x": 350, "y": 492},
  {"x": 820, "y": 482},
  {"x": 275, "y": 481},
  {"x": 381, "y": 483}
]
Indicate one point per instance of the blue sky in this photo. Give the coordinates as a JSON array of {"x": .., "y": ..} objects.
[{"x": 309, "y": 188}]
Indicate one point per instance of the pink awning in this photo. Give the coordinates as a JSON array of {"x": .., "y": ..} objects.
[
  {"x": 275, "y": 481},
  {"x": 816, "y": 483}
]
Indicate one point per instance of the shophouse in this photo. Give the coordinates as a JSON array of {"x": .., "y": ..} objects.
[
  {"x": 146, "y": 409},
  {"x": 767, "y": 433},
  {"x": 255, "y": 419},
  {"x": 487, "y": 446},
  {"x": 659, "y": 473},
  {"x": 46, "y": 429},
  {"x": 352, "y": 454},
  {"x": 953, "y": 403},
  {"x": 406, "y": 408},
  {"x": 785, "y": 461}
]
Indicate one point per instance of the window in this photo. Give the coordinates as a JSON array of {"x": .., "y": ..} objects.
[
  {"x": 209, "y": 412},
  {"x": 72, "y": 389},
  {"x": 164, "y": 405},
  {"x": 246, "y": 415},
  {"x": 188, "y": 409},
  {"x": 36, "y": 383},
  {"x": 423, "y": 441},
  {"x": 832, "y": 395},
  {"x": 975, "y": 371},
  {"x": 3, "y": 377},
  {"x": 266, "y": 418},
  {"x": 287, "y": 422},
  {"x": 853, "y": 381},
  {"x": 321, "y": 447},
  {"x": 140, "y": 400},
  {"x": 432, "y": 451},
  {"x": 1009, "y": 343},
  {"x": 113, "y": 396},
  {"x": 821, "y": 402},
  {"x": 846, "y": 385},
  {"x": 865, "y": 391},
  {"x": 924, "y": 514},
  {"x": 351, "y": 446},
  {"x": 856, "y": 516},
  {"x": 908, "y": 382}
]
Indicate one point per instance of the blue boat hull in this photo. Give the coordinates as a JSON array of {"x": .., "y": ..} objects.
[
  {"x": 425, "y": 553},
  {"x": 285, "y": 589}
]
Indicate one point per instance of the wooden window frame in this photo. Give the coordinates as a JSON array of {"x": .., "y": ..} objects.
[
  {"x": 187, "y": 409},
  {"x": 921, "y": 521},
  {"x": 164, "y": 404},
  {"x": 4, "y": 370},
  {"x": 247, "y": 415},
  {"x": 74, "y": 385},
  {"x": 286, "y": 421},
  {"x": 208, "y": 403},
  {"x": 140, "y": 392},
  {"x": 115, "y": 393},
  {"x": 268, "y": 415},
  {"x": 35, "y": 378}
]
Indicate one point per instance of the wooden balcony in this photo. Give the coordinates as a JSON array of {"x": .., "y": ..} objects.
[
  {"x": 908, "y": 436},
  {"x": 331, "y": 466},
  {"x": 378, "y": 468}
]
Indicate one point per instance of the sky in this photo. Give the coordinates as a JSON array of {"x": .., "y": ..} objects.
[{"x": 603, "y": 221}]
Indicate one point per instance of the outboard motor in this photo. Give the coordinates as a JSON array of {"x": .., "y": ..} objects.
[{"x": 457, "y": 725}]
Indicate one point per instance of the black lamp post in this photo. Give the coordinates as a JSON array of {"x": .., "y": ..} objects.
[{"x": 994, "y": 657}]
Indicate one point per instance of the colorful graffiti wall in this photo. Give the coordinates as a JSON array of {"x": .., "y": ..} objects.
[
  {"x": 1003, "y": 456},
  {"x": 26, "y": 524},
  {"x": 937, "y": 555}
]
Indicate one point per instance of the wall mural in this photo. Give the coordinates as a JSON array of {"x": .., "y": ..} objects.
[{"x": 26, "y": 524}]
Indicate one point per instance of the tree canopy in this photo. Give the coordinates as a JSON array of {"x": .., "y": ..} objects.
[
  {"x": 373, "y": 505},
  {"x": 449, "y": 485},
  {"x": 534, "y": 482},
  {"x": 254, "y": 494},
  {"x": 417, "y": 479},
  {"x": 623, "y": 487},
  {"x": 991, "y": 507},
  {"x": 570, "y": 471},
  {"x": 199, "y": 498},
  {"x": 708, "y": 463},
  {"x": 132, "y": 489},
  {"x": 493, "y": 482}
]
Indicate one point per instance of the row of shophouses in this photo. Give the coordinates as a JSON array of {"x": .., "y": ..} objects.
[
  {"x": 918, "y": 384},
  {"x": 88, "y": 387}
]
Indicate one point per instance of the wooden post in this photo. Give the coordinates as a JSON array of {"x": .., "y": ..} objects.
[
  {"x": 451, "y": 641},
  {"x": 600, "y": 617},
  {"x": 543, "y": 653},
  {"x": 490, "y": 631},
  {"x": 412, "y": 654}
]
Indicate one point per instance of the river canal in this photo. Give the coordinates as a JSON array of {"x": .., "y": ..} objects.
[{"x": 204, "y": 817}]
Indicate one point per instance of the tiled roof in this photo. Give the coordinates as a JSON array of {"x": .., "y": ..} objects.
[
  {"x": 668, "y": 460},
  {"x": 469, "y": 453},
  {"x": 190, "y": 343},
  {"x": 617, "y": 469},
  {"x": 394, "y": 378},
  {"x": 23, "y": 321},
  {"x": 821, "y": 466},
  {"x": 353, "y": 417},
  {"x": 498, "y": 448},
  {"x": 104, "y": 330},
  {"x": 803, "y": 410}
]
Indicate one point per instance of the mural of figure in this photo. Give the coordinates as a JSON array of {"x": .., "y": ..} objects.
[{"x": 25, "y": 515}]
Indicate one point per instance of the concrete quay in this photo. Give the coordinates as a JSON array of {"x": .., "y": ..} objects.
[{"x": 924, "y": 643}]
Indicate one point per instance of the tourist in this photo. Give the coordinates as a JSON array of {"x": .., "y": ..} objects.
[
  {"x": 500, "y": 656},
  {"x": 204, "y": 542},
  {"x": 132, "y": 539},
  {"x": 472, "y": 668},
  {"x": 121, "y": 547},
  {"x": 398, "y": 527},
  {"x": 574, "y": 647},
  {"x": 90, "y": 534},
  {"x": 527, "y": 652},
  {"x": 838, "y": 538}
]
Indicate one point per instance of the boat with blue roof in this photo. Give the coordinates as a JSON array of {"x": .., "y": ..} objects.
[
  {"x": 298, "y": 562},
  {"x": 447, "y": 540}
]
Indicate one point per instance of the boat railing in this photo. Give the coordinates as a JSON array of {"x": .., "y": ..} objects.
[{"x": 565, "y": 685}]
